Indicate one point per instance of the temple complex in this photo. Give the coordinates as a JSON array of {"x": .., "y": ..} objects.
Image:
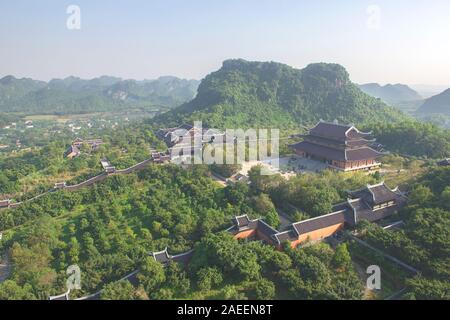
[{"x": 371, "y": 203}]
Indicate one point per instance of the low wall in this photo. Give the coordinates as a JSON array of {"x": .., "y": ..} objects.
[{"x": 90, "y": 181}]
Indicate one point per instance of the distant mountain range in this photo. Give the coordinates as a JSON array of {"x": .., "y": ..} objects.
[
  {"x": 75, "y": 95},
  {"x": 427, "y": 90},
  {"x": 438, "y": 104},
  {"x": 269, "y": 94},
  {"x": 391, "y": 93}
]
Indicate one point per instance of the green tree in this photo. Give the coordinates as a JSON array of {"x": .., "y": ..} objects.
[
  {"x": 151, "y": 274},
  {"x": 119, "y": 290},
  {"x": 264, "y": 289},
  {"x": 208, "y": 277},
  {"x": 420, "y": 195},
  {"x": 341, "y": 258},
  {"x": 10, "y": 290}
]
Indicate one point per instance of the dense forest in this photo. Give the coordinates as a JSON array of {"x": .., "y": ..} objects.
[
  {"x": 109, "y": 228},
  {"x": 413, "y": 138}
]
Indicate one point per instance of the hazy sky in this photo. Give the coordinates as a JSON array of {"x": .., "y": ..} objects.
[{"x": 407, "y": 42}]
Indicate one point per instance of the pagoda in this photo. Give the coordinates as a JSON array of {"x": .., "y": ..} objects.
[{"x": 342, "y": 147}]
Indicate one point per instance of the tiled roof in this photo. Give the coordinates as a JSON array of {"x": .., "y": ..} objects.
[
  {"x": 375, "y": 194},
  {"x": 332, "y": 130},
  {"x": 265, "y": 229},
  {"x": 319, "y": 150},
  {"x": 379, "y": 214},
  {"x": 319, "y": 222},
  {"x": 382, "y": 194},
  {"x": 242, "y": 221},
  {"x": 288, "y": 235},
  {"x": 336, "y": 131},
  {"x": 358, "y": 142},
  {"x": 161, "y": 256},
  {"x": 361, "y": 154}
]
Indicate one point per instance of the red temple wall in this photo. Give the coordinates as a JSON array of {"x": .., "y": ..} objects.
[
  {"x": 317, "y": 234},
  {"x": 245, "y": 234}
]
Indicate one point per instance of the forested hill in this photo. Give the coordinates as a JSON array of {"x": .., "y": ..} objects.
[
  {"x": 437, "y": 104},
  {"x": 246, "y": 94},
  {"x": 74, "y": 95}
]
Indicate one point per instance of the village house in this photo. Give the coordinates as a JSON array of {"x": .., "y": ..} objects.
[
  {"x": 72, "y": 152},
  {"x": 342, "y": 147}
]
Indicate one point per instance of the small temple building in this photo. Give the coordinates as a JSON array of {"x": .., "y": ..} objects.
[{"x": 342, "y": 147}]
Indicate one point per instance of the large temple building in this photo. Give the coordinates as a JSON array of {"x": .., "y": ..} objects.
[{"x": 342, "y": 147}]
